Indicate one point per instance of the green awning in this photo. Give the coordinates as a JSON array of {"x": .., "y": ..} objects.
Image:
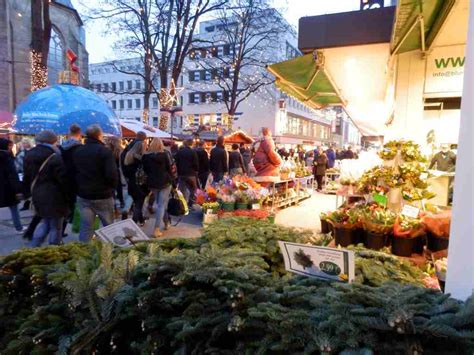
[
  {"x": 305, "y": 79},
  {"x": 417, "y": 23}
]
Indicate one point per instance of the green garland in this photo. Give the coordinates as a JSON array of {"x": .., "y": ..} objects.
[{"x": 224, "y": 293}]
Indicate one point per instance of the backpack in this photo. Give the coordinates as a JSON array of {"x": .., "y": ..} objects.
[{"x": 177, "y": 205}]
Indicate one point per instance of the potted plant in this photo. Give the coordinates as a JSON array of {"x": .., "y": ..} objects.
[
  {"x": 241, "y": 200},
  {"x": 408, "y": 236},
  {"x": 325, "y": 226},
  {"x": 210, "y": 210},
  {"x": 345, "y": 223},
  {"x": 227, "y": 202},
  {"x": 378, "y": 227},
  {"x": 437, "y": 230}
]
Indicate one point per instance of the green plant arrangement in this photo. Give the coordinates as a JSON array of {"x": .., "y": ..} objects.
[{"x": 224, "y": 293}]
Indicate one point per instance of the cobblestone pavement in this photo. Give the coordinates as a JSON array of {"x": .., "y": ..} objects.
[{"x": 304, "y": 215}]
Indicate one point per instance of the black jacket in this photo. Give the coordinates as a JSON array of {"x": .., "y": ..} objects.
[
  {"x": 158, "y": 170},
  {"x": 67, "y": 150},
  {"x": 51, "y": 193},
  {"x": 236, "y": 161},
  {"x": 218, "y": 163},
  {"x": 187, "y": 162},
  {"x": 96, "y": 173},
  {"x": 203, "y": 159},
  {"x": 129, "y": 170},
  {"x": 10, "y": 184}
]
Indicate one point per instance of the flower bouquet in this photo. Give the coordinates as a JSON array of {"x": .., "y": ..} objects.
[
  {"x": 325, "y": 226},
  {"x": 407, "y": 236},
  {"x": 242, "y": 199},
  {"x": 210, "y": 207},
  {"x": 378, "y": 226}
]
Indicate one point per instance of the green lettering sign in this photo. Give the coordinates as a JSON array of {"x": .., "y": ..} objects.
[{"x": 443, "y": 63}]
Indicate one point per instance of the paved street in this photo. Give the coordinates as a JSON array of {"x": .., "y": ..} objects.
[{"x": 305, "y": 215}]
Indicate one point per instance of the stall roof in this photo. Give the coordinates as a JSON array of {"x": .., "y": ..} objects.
[
  {"x": 417, "y": 23},
  {"x": 306, "y": 79},
  {"x": 238, "y": 136}
]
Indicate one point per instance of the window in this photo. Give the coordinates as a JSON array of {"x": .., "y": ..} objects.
[
  {"x": 55, "y": 56},
  {"x": 155, "y": 121},
  {"x": 121, "y": 104},
  {"x": 208, "y": 75},
  {"x": 137, "y": 103},
  {"x": 137, "y": 118},
  {"x": 114, "y": 104},
  {"x": 155, "y": 102},
  {"x": 129, "y": 104},
  {"x": 137, "y": 84},
  {"x": 114, "y": 87},
  {"x": 129, "y": 85},
  {"x": 219, "y": 96},
  {"x": 195, "y": 98},
  {"x": 98, "y": 87},
  {"x": 121, "y": 86},
  {"x": 220, "y": 51},
  {"x": 106, "y": 87},
  {"x": 197, "y": 75}
]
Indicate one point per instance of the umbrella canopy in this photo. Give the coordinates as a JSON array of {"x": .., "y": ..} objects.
[
  {"x": 131, "y": 127},
  {"x": 59, "y": 106}
]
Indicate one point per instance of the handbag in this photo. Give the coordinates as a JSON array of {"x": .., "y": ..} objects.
[
  {"x": 140, "y": 176},
  {"x": 33, "y": 184},
  {"x": 177, "y": 205}
]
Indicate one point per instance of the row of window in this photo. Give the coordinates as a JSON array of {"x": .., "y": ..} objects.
[
  {"x": 207, "y": 75},
  {"x": 118, "y": 86},
  {"x": 124, "y": 68},
  {"x": 128, "y": 104},
  {"x": 302, "y": 127},
  {"x": 207, "y": 97},
  {"x": 216, "y": 51}
]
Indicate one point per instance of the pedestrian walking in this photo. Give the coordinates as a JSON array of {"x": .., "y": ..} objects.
[
  {"x": 236, "y": 162},
  {"x": 96, "y": 178},
  {"x": 115, "y": 146},
  {"x": 331, "y": 154},
  {"x": 10, "y": 188},
  {"x": 157, "y": 166},
  {"x": 47, "y": 180},
  {"x": 203, "y": 162},
  {"x": 188, "y": 168},
  {"x": 69, "y": 146},
  {"x": 219, "y": 162},
  {"x": 130, "y": 163},
  {"x": 320, "y": 166}
]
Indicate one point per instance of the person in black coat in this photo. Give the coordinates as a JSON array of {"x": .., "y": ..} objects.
[
  {"x": 188, "y": 167},
  {"x": 10, "y": 188},
  {"x": 96, "y": 178},
  {"x": 46, "y": 179},
  {"x": 236, "y": 161},
  {"x": 203, "y": 160},
  {"x": 157, "y": 166},
  {"x": 219, "y": 160}
]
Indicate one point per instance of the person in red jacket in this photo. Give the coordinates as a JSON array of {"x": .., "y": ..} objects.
[{"x": 266, "y": 160}]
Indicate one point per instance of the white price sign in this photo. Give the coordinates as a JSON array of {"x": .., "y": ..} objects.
[
  {"x": 410, "y": 211},
  {"x": 325, "y": 263}
]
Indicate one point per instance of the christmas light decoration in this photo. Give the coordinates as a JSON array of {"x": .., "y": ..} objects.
[
  {"x": 168, "y": 98},
  {"x": 39, "y": 73}
]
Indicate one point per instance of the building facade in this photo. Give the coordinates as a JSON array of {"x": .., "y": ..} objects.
[
  {"x": 121, "y": 85},
  {"x": 15, "y": 38},
  {"x": 292, "y": 123}
]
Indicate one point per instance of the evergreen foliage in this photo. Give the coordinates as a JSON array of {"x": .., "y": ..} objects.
[{"x": 224, "y": 293}]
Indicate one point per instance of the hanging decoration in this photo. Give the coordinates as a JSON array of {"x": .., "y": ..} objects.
[{"x": 39, "y": 73}]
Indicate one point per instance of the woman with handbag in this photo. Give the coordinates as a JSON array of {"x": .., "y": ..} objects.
[{"x": 157, "y": 167}]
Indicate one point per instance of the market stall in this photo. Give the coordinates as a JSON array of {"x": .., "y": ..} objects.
[{"x": 131, "y": 127}]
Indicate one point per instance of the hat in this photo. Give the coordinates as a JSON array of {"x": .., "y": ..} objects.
[
  {"x": 4, "y": 143},
  {"x": 46, "y": 136}
]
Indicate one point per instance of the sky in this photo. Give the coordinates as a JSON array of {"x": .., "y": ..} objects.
[{"x": 100, "y": 46}]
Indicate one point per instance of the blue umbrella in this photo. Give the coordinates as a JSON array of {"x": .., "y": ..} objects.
[{"x": 59, "y": 106}]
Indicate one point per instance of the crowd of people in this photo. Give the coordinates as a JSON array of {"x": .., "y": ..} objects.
[{"x": 99, "y": 177}]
